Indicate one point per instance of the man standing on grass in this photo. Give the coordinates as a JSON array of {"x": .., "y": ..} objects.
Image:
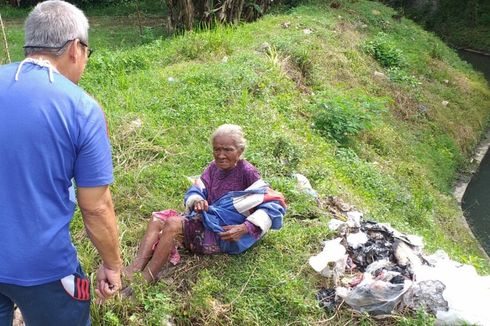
[{"x": 51, "y": 132}]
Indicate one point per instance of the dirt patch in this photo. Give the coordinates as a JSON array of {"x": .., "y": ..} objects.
[
  {"x": 295, "y": 73},
  {"x": 405, "y": 106},
  {"x": 347, "y": 32}
]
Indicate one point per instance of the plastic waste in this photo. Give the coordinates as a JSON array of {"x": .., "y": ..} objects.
[
  {"x": 304, "y": 185},
  {"x": 388, "y": 269},
  {"x": 376, "y": 296},
  {"x": 370, "y": 252},
  {"x": 466, "y": 292},
  {"x": 406, "y": 255},
  {"x": 354, "y": 219},
  {"x": 331, "y": 261},
  {"x": 427, "y": 295},
  {"x": 326, "y": 299},
  {"x": 355, "y": 240},
  {"x": 335, "y": 224}
]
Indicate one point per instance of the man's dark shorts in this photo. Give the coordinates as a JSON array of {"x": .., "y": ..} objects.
[{"x": 62, "y": 302}]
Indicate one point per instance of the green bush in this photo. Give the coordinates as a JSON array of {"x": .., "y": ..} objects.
[
  {"x": 340, "y": 119},
  {"x": 384, "y": 51},
  {"x": 400, "y": 76}
]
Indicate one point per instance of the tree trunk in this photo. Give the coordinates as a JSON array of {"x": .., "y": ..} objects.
[{"x": 185, "y": 14}]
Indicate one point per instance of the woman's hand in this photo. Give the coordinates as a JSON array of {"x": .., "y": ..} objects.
[
  {"x": 201, "y": 205},
  {"x": 233, "y": 232}
]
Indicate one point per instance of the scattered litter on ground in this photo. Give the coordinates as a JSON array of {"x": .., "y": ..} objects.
[
  {"x": 379, "y": 270},
  {"x": 326, "y": 297},
  {"x": 304, "y": 185},
  {"x": 379, "y": 74}
]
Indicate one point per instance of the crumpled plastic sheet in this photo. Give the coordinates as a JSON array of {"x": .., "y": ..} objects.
[
  {"x": 331, "y": 262},
  {"x": 467, "y": 293},
  {"x": 304, "y": 185},
  {"x": 380, "y": 291},
  {"x": 427, "y": 295},
  {"x": 356, "y": 240},
  {"x": 374, "y": 296},
  {"x": 392, "y": 272},
  {"x": 327, "y": 299}
]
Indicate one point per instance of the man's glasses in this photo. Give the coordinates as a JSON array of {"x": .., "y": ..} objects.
[
  {"x": 88, "y": 49},
  {"x": 58, "y": 49}
]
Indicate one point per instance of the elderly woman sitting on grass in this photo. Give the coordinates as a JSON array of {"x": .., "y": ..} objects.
[{"x": 228, "y": 209}]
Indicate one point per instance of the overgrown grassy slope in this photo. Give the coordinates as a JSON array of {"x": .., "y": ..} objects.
[{"x": 377, "y": 112}]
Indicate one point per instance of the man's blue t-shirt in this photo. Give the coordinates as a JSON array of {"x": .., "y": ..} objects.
[{"x": 50, "y": 133}]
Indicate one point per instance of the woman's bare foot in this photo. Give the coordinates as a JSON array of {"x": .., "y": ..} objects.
[
  {"x": 127, "y": 272},
  {"x": 149, "y": 276}
]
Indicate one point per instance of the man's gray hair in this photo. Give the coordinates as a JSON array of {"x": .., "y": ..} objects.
[
  {"x": 52, "y": 23},
  {"x": 233, "y": 131}
]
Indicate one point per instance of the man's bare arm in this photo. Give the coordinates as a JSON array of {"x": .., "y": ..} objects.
[{"x": 101, "y": 226}]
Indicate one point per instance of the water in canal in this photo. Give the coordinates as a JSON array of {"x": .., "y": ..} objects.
[
  {"x": 476, "y": 199},
  {"x": 479, "y": 61}
]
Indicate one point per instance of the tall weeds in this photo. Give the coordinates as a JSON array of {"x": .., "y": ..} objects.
[{"x": 185, "y": 14}]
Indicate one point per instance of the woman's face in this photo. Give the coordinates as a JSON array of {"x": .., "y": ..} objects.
[{"x": 225, "y": 152}]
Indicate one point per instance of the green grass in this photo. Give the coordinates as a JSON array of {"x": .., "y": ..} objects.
[{"x": 394, "y": 154}]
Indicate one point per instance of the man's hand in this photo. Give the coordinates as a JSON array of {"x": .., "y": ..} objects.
[
  {"x": 101, "y": 226},
  {"x": 108, "y": 283},
  {"x": 201, "y": 205},
  {"x": 233, "y": 232}
]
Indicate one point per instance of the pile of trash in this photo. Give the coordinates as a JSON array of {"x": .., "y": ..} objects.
[{"x": 378, "y": 270}]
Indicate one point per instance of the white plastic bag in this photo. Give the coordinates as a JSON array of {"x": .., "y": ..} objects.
[{"x": 331, "y": 261}]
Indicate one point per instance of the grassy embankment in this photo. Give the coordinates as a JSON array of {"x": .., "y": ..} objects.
[{"x": 309, "y": 102}]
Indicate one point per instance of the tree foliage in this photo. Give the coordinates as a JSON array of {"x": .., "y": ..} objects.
[
  {"x": 185, "y": 14},
  {"x": 465, "y": 23}
]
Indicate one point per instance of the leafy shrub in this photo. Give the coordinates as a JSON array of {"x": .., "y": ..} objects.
[
  {"x": 340, "y": 118},
  {"x": 437, "y": 51},
  {"x": 400, "y": 76},
  {"x": 384, "y": 51}
]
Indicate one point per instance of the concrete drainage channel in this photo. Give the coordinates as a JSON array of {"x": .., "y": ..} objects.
[{"x": 462, "y": 186}]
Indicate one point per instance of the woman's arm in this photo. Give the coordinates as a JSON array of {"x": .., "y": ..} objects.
[
  {"x": 261, "y": 219},
  {"x": 233, "y": 232},
  {"x": 194, "y": 199}
]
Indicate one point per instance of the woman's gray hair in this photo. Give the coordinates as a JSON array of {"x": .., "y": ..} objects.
[
  {"x": 53, "y": 23},
  {"x": 233, "y": 131}
]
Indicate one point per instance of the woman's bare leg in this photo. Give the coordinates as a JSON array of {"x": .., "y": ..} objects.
[
  {"x": 145, "y": 250},
  {"x": 172, "y": 230}
]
